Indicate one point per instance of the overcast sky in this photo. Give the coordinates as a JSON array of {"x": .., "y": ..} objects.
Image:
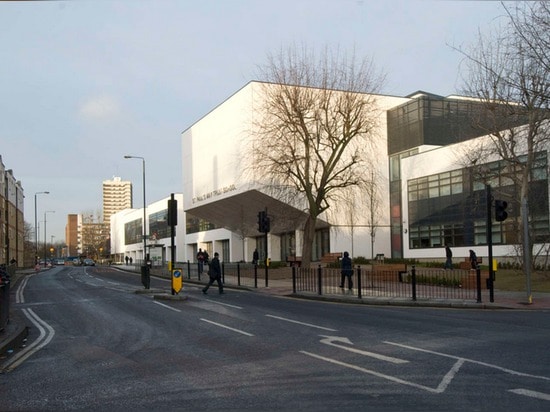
[{"x": 83, "y": 83}]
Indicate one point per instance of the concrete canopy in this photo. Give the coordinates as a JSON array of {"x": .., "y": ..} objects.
[{"x": 239, "y": 213}]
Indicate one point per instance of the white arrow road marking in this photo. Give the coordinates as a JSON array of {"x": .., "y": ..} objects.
[
  {"x": 329, "y": 340},
  {"x": 532, "y": 394}
]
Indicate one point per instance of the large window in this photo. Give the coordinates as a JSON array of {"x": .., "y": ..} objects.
[
  {"x": 158, "y": 224},
  {"x": 133, "y": 232},
  {"x": 451, "y": 207},
  {"x": 194, "y": 224}
]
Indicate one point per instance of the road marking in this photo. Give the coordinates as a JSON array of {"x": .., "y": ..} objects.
[
  {"x": 329, "y": 340},
  {"x": 374, "y": 373},
  {"x": 223, "y": 304},
  {"x": 500, "y": 368},
  {"x": 46, "y": 335},
  {"x": 227, "y": 327},
  {"x": 19, "y": 298},
  {"x": 531, "y": 394},
  {"x": 301, "y": 323},
  {"x": 449, "y": 376},
  {"x": 166, "y": 306}
]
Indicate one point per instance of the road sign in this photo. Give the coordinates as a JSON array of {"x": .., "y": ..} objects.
[{"x": 177, "y": 280}]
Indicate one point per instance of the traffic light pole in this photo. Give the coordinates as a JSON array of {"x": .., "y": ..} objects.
[
  {"x": 264, "y": 226},
  {"x": 490, "y": 243}
]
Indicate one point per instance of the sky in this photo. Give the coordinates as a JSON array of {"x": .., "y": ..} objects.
[{"x": 85, "y": 82}]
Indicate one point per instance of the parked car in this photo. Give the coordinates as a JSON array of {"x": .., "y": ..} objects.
[{"x": 89, "y": 262}]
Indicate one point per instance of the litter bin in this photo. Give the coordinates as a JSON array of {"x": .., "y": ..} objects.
[{"x": 145, "y": 276}]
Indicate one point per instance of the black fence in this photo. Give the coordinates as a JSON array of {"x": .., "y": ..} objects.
[
  {"x": 377, "y": 281},
  {"x": 238, "y": 274},
  {"x": 410, "y": 283}
]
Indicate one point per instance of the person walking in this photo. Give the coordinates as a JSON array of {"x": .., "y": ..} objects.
[
  {"x": 473, "y": 259},
  {"x": 255, "y": 256},
  {"x": 449, "y": 256},
  {"x": 200, "y": 260},
  {"x": 215, "y": 274},
  {"x": 347, "y": 271}
]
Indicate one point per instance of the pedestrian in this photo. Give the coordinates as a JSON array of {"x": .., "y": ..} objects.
[
  {"x": 131, "y": 260},
  {"x": 449, "y": 256},
  {"x": 473, "y": 259},
  {"x": 255, "y": 256},
  {"x": 347, "y": 271},
  {"x": 200, "y": 260},
  {"x": 215, "y": 274},
  {"x": 126, "y": 258},
  {"x": 206, "y": 257}
]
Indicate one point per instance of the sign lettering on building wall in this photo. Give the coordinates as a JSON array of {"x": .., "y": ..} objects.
[{"x": 213, "y": 193}]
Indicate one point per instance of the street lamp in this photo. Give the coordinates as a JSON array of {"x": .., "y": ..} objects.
[
  {"x": 144, "y": 208},
  {"x": 36, "y": 226},
  {"x": 45, "y": 252}
]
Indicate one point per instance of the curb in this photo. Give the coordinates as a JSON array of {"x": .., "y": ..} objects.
[{"x": 13, "y": 336}]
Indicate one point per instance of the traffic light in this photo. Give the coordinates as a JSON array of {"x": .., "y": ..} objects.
[
  {"x": 172, "y": 215},
  {"x": 500, "y": 210},
  {"x": 263, "y": 222}
]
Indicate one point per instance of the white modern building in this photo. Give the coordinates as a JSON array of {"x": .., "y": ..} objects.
[
  {"x": 218, "y": 192},
  {"x": 429, "y": 196},
  {"x": 127, "y": 233}
]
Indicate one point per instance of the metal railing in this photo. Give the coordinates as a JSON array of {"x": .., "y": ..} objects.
[{"x": 412, "y": 283}]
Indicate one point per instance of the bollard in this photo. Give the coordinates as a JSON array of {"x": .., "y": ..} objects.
[
  {"x": 145, "y": 276},
  {"x": 413, "y": 282}
]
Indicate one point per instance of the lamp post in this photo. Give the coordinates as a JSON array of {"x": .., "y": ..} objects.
[
  {"x": 45, "y": 251},
  {"x": 36, "y": 226},
  {"x": 144, "y": 207},
  {"x": 145, "y": 278}
]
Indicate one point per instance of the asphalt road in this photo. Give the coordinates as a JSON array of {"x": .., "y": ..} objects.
[{"x": 96, "y": 344}]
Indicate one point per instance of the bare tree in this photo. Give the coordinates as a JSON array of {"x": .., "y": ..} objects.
[
  {"x": 373, "y": 193},
  {"x": 317, "y": 120},
  {"x": 508, "y": 71}
]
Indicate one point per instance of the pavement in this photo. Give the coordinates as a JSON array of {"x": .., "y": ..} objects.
[{"x": 15, "y": 333}]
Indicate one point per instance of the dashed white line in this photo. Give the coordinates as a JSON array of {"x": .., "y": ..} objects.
[
  {"x": 223, "y": 304},
  {"x": 301, "y": 323},
  {"x": 227, "y": 327},
  {"x": 166, "y": 306}
]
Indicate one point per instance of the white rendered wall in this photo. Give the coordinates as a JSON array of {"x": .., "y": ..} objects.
[{"x": 214, "y": 162}]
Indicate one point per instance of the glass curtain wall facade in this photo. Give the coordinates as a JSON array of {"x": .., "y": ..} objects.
[
  {"x": 451, "y": 207},
  {"x": 430, "y": 119}
]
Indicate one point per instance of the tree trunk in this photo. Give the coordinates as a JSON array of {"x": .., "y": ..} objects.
[{"x": 309, "y": 235}]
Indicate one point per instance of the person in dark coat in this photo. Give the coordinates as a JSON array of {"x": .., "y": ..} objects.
[
  {"x": 255, "y": 256},
  {"x": 473, "y": 259},
  {"x": 200, "y": 261},
  {"x": 215, "y": 273},
  {"x": 449, "y": 256},
  {"x": 347, "y": 271}
]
